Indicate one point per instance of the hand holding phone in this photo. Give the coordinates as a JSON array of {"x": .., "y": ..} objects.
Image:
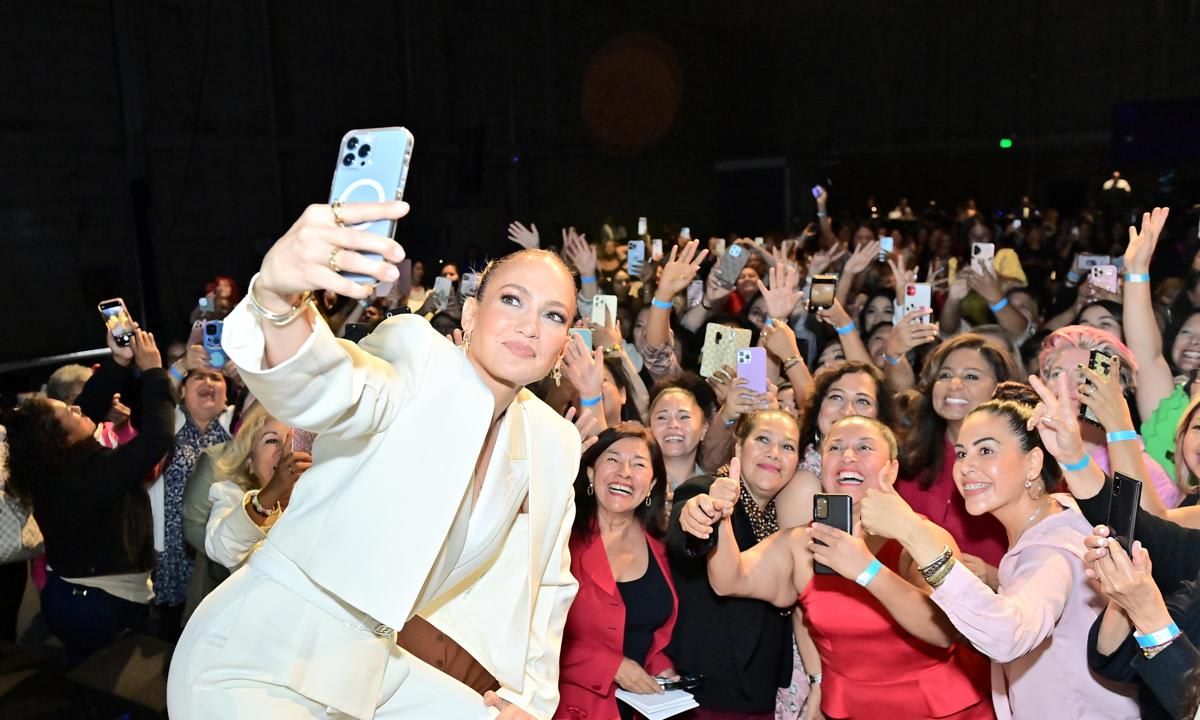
[
  {"x": 834, "y": 511},
  {"x": 117, "y": 320},
  {"x": 752, "y": 367},
  {"x": 1124, "y": 498},
  {"x": 211, "y": 336}
]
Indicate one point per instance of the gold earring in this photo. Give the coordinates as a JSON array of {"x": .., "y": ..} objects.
[
  {"x": 466, "y": 341},
  {"x": 556, "y": 375},
  {"x": 590, "y": 489}
]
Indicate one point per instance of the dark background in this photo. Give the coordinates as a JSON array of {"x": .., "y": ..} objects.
[{"x": 182, "y": 137}]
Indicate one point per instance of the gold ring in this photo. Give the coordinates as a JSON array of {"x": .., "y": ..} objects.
[
  {"x": 333, "y": 263},
  {"x": 337, "y": 217}
]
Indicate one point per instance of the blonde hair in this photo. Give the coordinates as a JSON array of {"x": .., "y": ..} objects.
[{"x": 232, "y": 463}]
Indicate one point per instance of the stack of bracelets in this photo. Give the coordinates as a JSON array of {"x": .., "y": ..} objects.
[
  {"x": 1155, "y": 642},
  {"x": 935, "y": 572}
]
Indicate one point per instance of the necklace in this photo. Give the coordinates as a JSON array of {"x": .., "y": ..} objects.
[{"x": 1032, "y": 518}]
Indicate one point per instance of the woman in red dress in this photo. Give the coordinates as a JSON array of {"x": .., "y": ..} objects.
[{"x": 876, "y": 644}]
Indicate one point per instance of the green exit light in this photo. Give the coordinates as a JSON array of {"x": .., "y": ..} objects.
[{"x": 1005, "y": 143}]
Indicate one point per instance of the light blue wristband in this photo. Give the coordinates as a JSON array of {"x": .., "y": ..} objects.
[
  {"x": 1121, "y": 435},
  {"x": 865, "y": 578},
  {"x": 662, "y": 304},
  {"x": 845, "y": 329},
  {"x": 1159, "y": 637},
  {"x": 1000, "y": 305},
  {"x": 1137, "y": 277},
  {"x": 1077, "y": 466},
  {"x": 892, "y": 359},
  {"x": 590, "y": 402},
  {"x": 588, "y": 279},
  {"x": 176, "y": 373}
]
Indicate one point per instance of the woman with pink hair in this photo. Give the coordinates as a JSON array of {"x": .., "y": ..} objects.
[{"x": 1110, "y": 437}]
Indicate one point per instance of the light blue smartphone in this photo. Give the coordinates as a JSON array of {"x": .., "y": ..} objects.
[
  {"x": 372, "y": 166},
  {"x": 585, "y": 335}
]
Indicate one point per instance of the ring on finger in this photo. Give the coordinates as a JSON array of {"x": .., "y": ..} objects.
[
  {"x": 333, "y": 263},
  {"x": 337, "y": 217}
]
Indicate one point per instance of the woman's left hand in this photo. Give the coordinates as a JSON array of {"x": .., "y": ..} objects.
[
  {"x": 845, "y": 554},
  {"x": 835, "y": 315},
  {"x": 779, "y": 339},
  {"x": 587, "y": 425},
  {"x": 784, "y": 294},
  {"x": 584, "y": 369},
  {"x": 680, "y": 270},
  {"x": 886, "y": 514},
  {"x": 1106, "y": 398},
  {"x": 1130, "y": 584}
]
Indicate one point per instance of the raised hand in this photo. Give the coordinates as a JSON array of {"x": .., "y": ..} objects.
[
  {"x": 986, "y": 282},
  {"x": 121, "y": 354},
  {"x": 279, "y": 488},
  {"x": 633, "y": 678},
  {"x": 779, "y": 340},
  {"x": 722, "y": 382},
  {"x": 886, "y": 514},
  {"x": 714, "y": 291},
  {"x": 911, "y": 333},
  {"x": 1142, "y": 242},
  {"x": 579, "y": 253},
  {"x": 1129, "y": 583},
  {"x": 862, "y": 258},
  {"x": 835, "y": 315},
  {"x": 145, "y": 351},
  {"x": 845, "y": 554},
  {"x": 584, "y": 369},
  {"x": 824, "y": 259},
  {"x": 322, "y": 241},
  {"x": 118, "y": 413},
  {"x": 741, "y": 400},
  {"x": 1055, "y": 420},
  {"x": 903, "y": 276},
  {"x": 607, "y": 335},
  {"x": 526, "y": 237},
  {"x": 1104, "y": 395},
  {"x": 679, "y": 271},
  {"x": 587, "y": 425},
  {"x": 784, "y": 293}
]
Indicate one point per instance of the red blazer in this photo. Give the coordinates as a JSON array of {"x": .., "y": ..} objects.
[{"x": 594, "y": 636}]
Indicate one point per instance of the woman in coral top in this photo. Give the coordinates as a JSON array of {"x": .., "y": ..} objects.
[
  {"x": 621, "y": 621},
  {"x": 877, "y": 646}
]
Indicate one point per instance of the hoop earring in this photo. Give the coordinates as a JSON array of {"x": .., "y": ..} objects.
[
  {"x": 649, "y": 501},
  {"x": 1031, "y": 492},
  {"x": 590, "y": 488},
  {"x": 556, "y": 375}
]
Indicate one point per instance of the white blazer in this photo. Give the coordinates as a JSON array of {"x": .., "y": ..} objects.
[{"x": 401, "y": 419}]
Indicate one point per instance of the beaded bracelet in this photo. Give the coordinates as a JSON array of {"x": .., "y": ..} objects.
[{"x": 932, "y": 568}]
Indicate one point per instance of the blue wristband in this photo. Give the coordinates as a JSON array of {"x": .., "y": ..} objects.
[
  {"x": 1000, "y": 305},
  {"x": 1077, "y": 466},
  {"x": 845, "y": 329},
  {"x": 1121, "y": 435},
  {"x": 865, "y": 578},
  {"x": 891, "y": 359},
  {"x": 662, "y": 304},
  {"x": 591, "y": 402},
  {"x": 1074, "y": 277},
  {"x": 176, "y": 373},
  {"x": 1159, "y": 637},
  {"x": 588, "y": 279},
  {"x": 1137, "y": 277}
]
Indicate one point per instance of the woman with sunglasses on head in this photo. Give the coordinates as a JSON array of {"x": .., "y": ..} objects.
[{"x": 307, "y": 626}]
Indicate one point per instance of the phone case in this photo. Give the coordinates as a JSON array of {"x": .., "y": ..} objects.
[
  {"x": 586, "y": 335},
  {"x": 372, "y": 166},
  {"x": 656, "y": 248},
  {"x": 721, "y": 344},
  {"x": 302, "y": 440},
  {"x": 822, "y": 292},
  {"x": 1124, "y": 498},
  {"x": 834, "y": 511},
  {"x": 731, "y": 264},
  {"x": 636, "y": 256},
  {"x": 695, "y": 293},
  {"x": 599, "y": 303},
  {"x": 117, "y": 319},
  {"x": 982, "y": 255},
  {"x": 752, "y": 365},
  {"x": 1099, "y": 362},
  {"x": 1104, "y": 277},
  {"x": 211, "y": 335},
  {"x": 918, "y": 296}
]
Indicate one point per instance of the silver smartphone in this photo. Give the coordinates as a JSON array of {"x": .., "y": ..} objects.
[{"x": 372, "y": 166}]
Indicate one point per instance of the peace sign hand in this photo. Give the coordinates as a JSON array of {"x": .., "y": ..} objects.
[{"x": 1055, "y": 420}]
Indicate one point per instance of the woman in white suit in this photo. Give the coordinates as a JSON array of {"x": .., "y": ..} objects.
[{"x": 426, "y": 454}]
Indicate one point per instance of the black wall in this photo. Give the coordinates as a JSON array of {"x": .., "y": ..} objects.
[{"x": 183, "y": 136}]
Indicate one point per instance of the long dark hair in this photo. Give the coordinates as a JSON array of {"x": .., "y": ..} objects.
[
  {"x": 653, "y": 517},
  {"x": 36, "y": 445},
  {"x": 825, "y": 379},
  {"x": 1014, "y": 403},
  {"x": 629, "y": 410},
  {"x": 922, "y": 430}
]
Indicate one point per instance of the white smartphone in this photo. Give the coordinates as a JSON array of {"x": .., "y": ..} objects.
[
  {"x": 981, "y": 255},
  {"x": 600, "y": 303},
  {"x": 656, "y": 248},
  {"x": 695, "y": 293},
  {"x": 720, "y": 246},
  {"x": 918, "y": 296},
  {"x": 643, "y": 228},
  {"x": 685, "y": 232}
]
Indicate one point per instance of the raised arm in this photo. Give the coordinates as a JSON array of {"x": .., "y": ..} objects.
[
  {"x": 913, "y": 331},
  {"x": 849, "y": 334},
  {"x": 1154, "y": 379},
  {"x": 855, "y": 266},
  {"x": 987, "y": 284},
  {"x": 678, "y": 273},
  {"x": 763, "y": 572}
]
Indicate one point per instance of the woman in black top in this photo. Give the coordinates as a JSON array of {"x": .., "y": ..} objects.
[{"x": 91, "y": 504}]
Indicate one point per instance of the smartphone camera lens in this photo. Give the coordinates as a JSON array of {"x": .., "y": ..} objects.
[
  {"x": 364, "y": 151},
  {"x": 348, "y": 160},
  {"x": 352, "y": 143},
  {"x": 210, "y": 330}
]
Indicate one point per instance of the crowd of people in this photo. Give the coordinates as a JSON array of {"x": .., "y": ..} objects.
[{"x": 521, "y": 490}]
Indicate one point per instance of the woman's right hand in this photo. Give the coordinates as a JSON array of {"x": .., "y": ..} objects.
[
  {"x": 742, "y": 400},
  {"x": 1142, "y": 243},
  {"x": 1056, "y": 421},
  {"x": 835, "y": 315},
  {"x": 911, "y": 333},
  {"x": 862, "y": 258},
  {"x": 714, "y": 291},
  {"x": 679, "y": 270},
  {"x": 1103, "y": 394},
  {"x": 279, "y": 490},
  {"x": 145, "y": 351},
  {"x": 812, "y": 707},
  {"x": 632, "y": 677},
  {"x": 780, "y": 340},
  {"x": 702, "y": 512},
  {"x": 300, "y": 260},
  {"x": 581, "y": 254}
]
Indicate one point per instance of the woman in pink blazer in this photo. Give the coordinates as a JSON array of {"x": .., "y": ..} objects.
[{"x": 621, "y": 621}]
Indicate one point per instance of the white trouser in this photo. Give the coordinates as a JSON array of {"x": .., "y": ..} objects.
[{"x": 268, "y": 643}]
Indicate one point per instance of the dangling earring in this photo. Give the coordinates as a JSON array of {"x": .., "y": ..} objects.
[
  {"x": 590, "y": 489},
  {"x": 556, "y": 375},
  {"x": 1030, "y": 492},
  {"x": 649, "y": 501},
  {"x": 466, "y": 341}
]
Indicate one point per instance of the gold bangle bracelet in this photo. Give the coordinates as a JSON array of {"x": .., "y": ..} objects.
[{"x": 277, "y": 319}]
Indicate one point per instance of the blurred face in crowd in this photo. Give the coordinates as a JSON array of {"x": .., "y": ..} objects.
[
  {"x": 175, "y": 352},
  {"x": 204, "y": 395},
  {"x": 831, "y": 354},
  {"x": 979, "y": 233},
  {"x": 1024, "y": 303},
  {"x": 224, "y": 289},
  {"x": 609, "y": 249},
  {"x": 622, "y": 476},
  {"x": 1168, "y": 290},
  {"x": 770, "y": 454},
  {"x": 75, "y": 424},
  {"x": 747, "y": 282},
  {"x": 620, "y": 283},
  {"x": 1067, "y": 360},
  {"x": 851, "y": 394},
  {"x": 1189, "y": 445},
  {"x": 990, "y": 467},
  {"x": 418, "y": 273},
  {"x": 270, "y": 445},
  {"x": 863, "y": 235},
  {"x": 856, "y": 457},
  {"x": 1185, "y": 352},
  {"x": 372, "y": 316},
  {"x": 1098, "y": 316},
  {"x": 678, "y": 423},
  {"x": 962, "y": 382},
  {"x": 878, "y": 343},
  {"x": 787, "y": 401},
  {"x": 757, "y": 313},
  {"x": 878, "y": 310},
  {"x": 943, "y": 244},
  {"x": 614, "y": 398},
  {"x": 519, "y": 323},
  {"x": 639, "y": 328},
  {"x": 450, "y": 271}
]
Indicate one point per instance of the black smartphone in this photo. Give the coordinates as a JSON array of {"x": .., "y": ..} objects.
[
  {"x": 1101, "y": 363},
  {"x": 1125, "y": 496},
  {"x": 685, "y": 682},
  {"x": 834, "y": 511},
  {"x": 355, "y": 332}
]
